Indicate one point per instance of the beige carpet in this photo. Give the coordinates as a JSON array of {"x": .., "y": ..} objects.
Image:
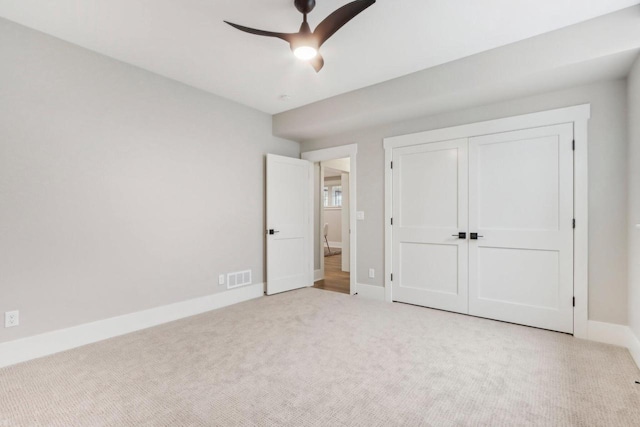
[{"x": 313, "y": 357}]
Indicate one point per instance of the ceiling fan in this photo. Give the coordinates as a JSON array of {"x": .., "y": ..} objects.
[{"x": 306, "y": 43}]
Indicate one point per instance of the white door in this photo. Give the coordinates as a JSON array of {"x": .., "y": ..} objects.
[
  {"x": 289, "y": 243},
  {"x": 429, "y": 211},
  {"x": 521, "y": 206}
]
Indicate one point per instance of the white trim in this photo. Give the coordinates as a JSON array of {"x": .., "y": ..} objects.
[
  {"x": 388, "y": 212},
  {"x": 321, "y": 225},
  {"x": 525, "y": 121},
  {"x": 581, "y": 232},
  {"x": 579, "y": 116},
  {"x": 311, "y": 260},
  {"x": 608, "y": 333},
  {"x": 317, "y": 275},
  {"x": 332, "y": 153},
  {"x": 620, "y": 335},
  {"x": 340, "y": 152},
  {"x": 21, "y": 350},
  {"x": 371, "y": 292},
  {"x": 634, "y": 347}
]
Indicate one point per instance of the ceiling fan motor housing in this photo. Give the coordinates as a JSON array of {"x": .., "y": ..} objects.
[{"x": 305, "y": 6}]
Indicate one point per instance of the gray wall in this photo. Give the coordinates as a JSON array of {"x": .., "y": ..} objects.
[
  {"x": 608, "y": 184},
  {"x": 119, "y": 190},
  {"x": 634, "y": 199},
  {"x": 333, "y": 217}
]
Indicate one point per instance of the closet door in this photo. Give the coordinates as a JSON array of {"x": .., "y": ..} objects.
[
  {"x": 430, "y": 208},
  {"x": 521, "y": 206}
]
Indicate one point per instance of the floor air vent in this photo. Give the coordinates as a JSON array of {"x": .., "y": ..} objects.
[{"x": 240, "y": 278}]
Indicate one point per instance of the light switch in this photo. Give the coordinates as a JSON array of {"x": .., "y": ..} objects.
[{"x": 360, "y": 215}]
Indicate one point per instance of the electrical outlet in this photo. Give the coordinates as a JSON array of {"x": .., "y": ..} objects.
[
  {"x": 221, "y": 279},
  {"x": 360, "y": 215},
  {"x": 372, "y": 273},
  {"x": 11, "y": 319}
]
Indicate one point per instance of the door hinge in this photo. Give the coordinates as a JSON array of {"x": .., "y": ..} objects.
[
  {"x": 392, "y": 277},
  {"x": 573, "y": 145},
  {"x": 391, "y": 165},
  {"x": 574, "y": 223},
  {"x": 391, "y": 221},
  {"x": 574, "y": 301}
]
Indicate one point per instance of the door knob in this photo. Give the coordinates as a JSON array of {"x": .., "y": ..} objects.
[
  {"x": 474, "y": 236},
  {"x": 272, "y": 231},
  {"x": 461, "y": 235}
]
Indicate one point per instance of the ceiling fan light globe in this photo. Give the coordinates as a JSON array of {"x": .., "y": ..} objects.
[{"x": 305, "y": 53}]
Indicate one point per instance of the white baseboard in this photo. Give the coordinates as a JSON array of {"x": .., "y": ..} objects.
[
  {"x": 370, "y": 291},
  {"x": 337, "y": 245},
  {"x": 608, "y": 333},
  {"x": 21, "y": 350},
  {"x": 620, "y": 335},
  {"x": 317, "y": 275},
  {"x": 634, "y": 347}
]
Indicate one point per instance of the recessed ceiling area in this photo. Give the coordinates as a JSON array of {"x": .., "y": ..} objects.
[
  {"x": 187, "y": 40},
  {"x": 603, "y": 48}
]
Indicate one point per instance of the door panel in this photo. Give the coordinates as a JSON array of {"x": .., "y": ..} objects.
[
  {"x": 429, "y": 267},
  {"x": 289, "y": 260},
  {"x": 431, "y": 178},
  {"x": 535, "y": 272},
  {"x": 521, "y": 203},
  {"x": 429, "y": 207},
  {"x": 531, "y": 187}
]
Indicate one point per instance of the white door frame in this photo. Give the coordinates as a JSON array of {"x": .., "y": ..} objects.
[
  {"x": 321, "y": 223},
  {"x": 333, "y": 153},
  {"x": 578, "y": 115}
]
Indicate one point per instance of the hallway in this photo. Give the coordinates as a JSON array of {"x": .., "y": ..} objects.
[{"x": 335, "y": 279}]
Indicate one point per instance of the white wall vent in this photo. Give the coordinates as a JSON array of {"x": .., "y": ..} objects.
[{"x": 240, "y": 278}]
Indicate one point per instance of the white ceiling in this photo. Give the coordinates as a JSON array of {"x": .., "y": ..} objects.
[
  {"x": 186, "y": 40},
  {"x": 331, "y": 173}
]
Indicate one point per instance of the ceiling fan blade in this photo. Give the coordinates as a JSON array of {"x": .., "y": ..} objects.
[
  {"x": 317, "y": 63},
  {"x": 288, "y": 37},
  {"x": 338, "y": 18}
]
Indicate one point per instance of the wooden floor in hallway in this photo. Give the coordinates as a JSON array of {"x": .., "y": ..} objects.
[{"x": 335, "y": 279}]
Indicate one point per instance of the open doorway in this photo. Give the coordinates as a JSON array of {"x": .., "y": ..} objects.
[{"x": 332, "y": 218}]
